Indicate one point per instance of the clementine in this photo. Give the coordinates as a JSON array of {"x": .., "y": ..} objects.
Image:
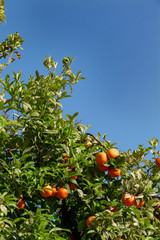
[
  {"x": 101, "y": 158},
  {"x": 128, "y": 200},
  {"x": 74, "y": 177},
  {"x": 89, "y": 220},
  {"x": 47, "y": 191},
  {"x": 139, "y": 203},
  {"x": 20, "y": 204},
  {"x": 65, "y": 156},
  {"x": 102, "y": 168},
  {"x": 62, "y": 193},
  {"x": 112, "y": 153},
  {"x": 114, "y": 172},
  {"x": 88, "y": 144},
  {"x": 112, "y": 209},
  {"x": 54, "y": 190},
  {"x": 158, "y": 162}
]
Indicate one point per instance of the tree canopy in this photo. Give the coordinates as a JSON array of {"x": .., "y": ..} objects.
[{"x": 58, "y": 181}]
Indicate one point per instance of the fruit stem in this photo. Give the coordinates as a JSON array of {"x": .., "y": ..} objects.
[{"x": 97, "y": 140}]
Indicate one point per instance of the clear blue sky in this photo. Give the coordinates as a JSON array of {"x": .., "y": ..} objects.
[{"x": 117, "y": 47}]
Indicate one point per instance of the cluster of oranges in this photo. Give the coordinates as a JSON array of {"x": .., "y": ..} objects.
[
  {"x": 61, "y": 193},
  {"x": 127, "y": 199},
  {"x": 49, "y": 191},
  {"x": 102, "y": 158},
  {"x": 130, "y": 200}
]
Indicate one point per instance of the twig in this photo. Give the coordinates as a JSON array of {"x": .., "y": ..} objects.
[{"x": 97, "y": 140}]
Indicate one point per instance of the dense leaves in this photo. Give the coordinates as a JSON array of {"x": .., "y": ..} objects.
[{"x": 41, "y": 149}]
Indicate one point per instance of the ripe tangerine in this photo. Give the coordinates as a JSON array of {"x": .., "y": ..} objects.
[
  {"x": 101, "y": 158},
  {"x": 128, "y": 201},
  {"x": 64, "y": 156},
  {"x": 20, "y": 204},
  {"x": 102, "y": 168},
  {"x": 139, "y": 203},
  {"x": 88, "y": 144},
  {"x": 62, "y": 193},
  {"x": 47, "y": 191},
  {"x": 112, "y": 209},
  {"x": 74, "y": 177},
  {"x": 158, "y": 162},
  {"x": 89, "y": 220},
  {"x": 54, "y": 190},
  {"x": 112, "y": 153},
  {"x": 114, "y": 172}
]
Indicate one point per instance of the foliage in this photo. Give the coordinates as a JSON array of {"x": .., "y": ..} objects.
[{"x": 34, "y": 135}]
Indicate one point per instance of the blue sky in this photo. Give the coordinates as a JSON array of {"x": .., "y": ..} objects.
[{"x": 117, "y": 47}]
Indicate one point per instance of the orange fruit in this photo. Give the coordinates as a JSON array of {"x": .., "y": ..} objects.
[
  {"x": 20, "y": 204},
  {"x": 74, "y": 177},
  {"x": 89, "y": 220},
  {"x": 101, "y": 158},
  {"x": 112, "y": 153},
  {"x": 54, "y": 190},
  {"x": 158, "y": 162},
  {"x": 102, "y": 168},
  {"x": 139, "y": 203},
  {"x": 114, "y": 172},
  {"x": 46, "y": 192},
  {"x": 65, "y": 156},
  {"x": 62, "y": 193},
  {"x": 128, "y": 201},
  {"x": 112, "y": 209},
  {"x": 88, "y": 144},
  {"x": 72, "y": 186}
]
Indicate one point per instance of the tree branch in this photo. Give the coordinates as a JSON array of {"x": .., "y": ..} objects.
[{"x": 97, "y": 140}]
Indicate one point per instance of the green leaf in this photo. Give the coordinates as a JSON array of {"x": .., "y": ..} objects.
[
  {"x": 51, "y": 131},
  {"x": 3, "y": 209},
  {"x": 81, "y": 225},
  {"x": 41, "y": 181},
  {"x": 27, "y": 150},
  {"x": 26, "y": 106}
]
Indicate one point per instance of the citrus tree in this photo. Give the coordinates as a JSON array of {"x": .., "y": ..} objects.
[{"x": 57, "y": 180}]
